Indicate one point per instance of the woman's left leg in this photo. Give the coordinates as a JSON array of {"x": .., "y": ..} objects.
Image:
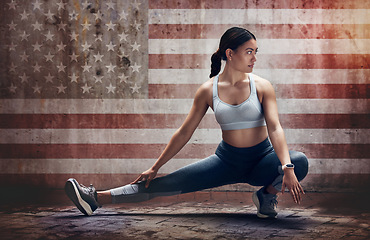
[{"x": 268, "y": 173}]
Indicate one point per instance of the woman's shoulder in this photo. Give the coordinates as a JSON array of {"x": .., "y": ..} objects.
[{"x": 263, "y": 85}]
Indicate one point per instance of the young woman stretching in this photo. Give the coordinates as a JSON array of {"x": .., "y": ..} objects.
[{"x": 245, "y": 107}]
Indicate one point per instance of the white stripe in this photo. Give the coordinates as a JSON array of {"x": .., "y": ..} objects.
[
  {"x": 276, "y": 76},
  {"x": 265, "y": 46},
  {"x": 259, "y": 16},
  {"x": 162, "y": 136},
  {"x": 168, "y": 106},
  {"x": 136, "y": 166}
]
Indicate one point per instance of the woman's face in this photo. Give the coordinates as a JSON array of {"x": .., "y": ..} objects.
[{"x": 244, "y": 57}]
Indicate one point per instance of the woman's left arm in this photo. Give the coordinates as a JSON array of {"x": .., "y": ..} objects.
[{"x": 277, "y": 137}]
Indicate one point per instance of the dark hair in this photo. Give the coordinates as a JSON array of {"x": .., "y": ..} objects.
[{"x": 232, "y": 38}]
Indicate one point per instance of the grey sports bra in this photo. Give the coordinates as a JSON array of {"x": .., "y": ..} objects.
[{"x": 248, "y": 114}]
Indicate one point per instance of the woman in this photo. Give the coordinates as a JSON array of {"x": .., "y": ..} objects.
[{"x": 245, "y": 107}]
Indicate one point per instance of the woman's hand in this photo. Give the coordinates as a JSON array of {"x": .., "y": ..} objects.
[
  {"x": 148, "y": 175},
  {"x": 290, "y": 181}
]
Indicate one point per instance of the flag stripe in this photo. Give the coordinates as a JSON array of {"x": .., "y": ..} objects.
[
  {"x": 136, "y": 166},
  {"x": 269, "y": 4},
  {"x": 162, "y": 136},
  {"x": 158, "y": 121},
  {"x": 275, "y": 76},
  {"x": 145, "y": 151},
  {"x": 259, "y": 16},
  {"x": 274, "y": 61},
  {"x": 298, "y": 91},
  {"x": 265, "y": 46},
  {"x": 170, "y": 106},
  {"x": 261, "y": 31}
]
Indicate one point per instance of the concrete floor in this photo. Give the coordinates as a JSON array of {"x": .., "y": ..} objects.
[{"x": 46, "y": 214}]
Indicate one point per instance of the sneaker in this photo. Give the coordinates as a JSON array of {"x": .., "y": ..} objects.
[
  {"x": 85, "y": 198},
  {"x": 265, "y": 204}
]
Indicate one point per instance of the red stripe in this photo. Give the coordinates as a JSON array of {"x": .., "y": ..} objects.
[
  {"x": 141, "y": 151},
  {"x": 266, "y": 4},
  {"x": 161, "y": 121},
  {"x": 272, "y": 61},
  {"x": 265, "y": 31},
  {"x": 299, "y": 91}
]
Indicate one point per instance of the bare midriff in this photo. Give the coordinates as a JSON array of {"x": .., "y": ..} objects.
[{"x": 243, "y": 138}]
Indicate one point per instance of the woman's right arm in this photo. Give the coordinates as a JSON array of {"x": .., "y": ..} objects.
[{"x": 182, "y": 135}]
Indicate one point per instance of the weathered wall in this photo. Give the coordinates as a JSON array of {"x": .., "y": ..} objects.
[{"x": 95, "y": 89}]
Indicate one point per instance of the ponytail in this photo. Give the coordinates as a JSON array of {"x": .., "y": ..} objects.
[{"x": 216, "y": 64}]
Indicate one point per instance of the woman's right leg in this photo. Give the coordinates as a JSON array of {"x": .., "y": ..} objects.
[{"x": 207, "y": 173}]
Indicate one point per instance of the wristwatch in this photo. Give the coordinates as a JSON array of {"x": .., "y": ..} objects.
[{"x": 288, "y": 165}]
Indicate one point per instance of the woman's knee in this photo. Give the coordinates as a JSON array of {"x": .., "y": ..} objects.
[{"x": 300, "y": 162}]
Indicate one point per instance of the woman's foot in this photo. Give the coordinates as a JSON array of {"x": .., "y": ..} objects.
[
  {"x": 265, "y": 203},
  {"x": 85, "y": 198}
]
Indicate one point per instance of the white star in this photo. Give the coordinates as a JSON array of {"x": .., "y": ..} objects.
[
  {"x": 61, "y": 46},
  {"x": 98, "y": 79},
  {"x": 74, "y": 57},
  {"x": 110, "y": 25},
  {"x": 135, "y": 46},
  {"x": 12, "y": 5},
  {"x": 86, "y": 88},
  {"x": 49, "y": 36},
  {"x": 122, "y": 36},
  {"x": 24, "y": 78},
  {"x": 74, "y": 36},
  {"x": 37, "y": 47},
  {"x": 49, "y": 57},
  {"x": 61, "y": 5},
  {"x": 98, "y": 37},
  {"x": 86, "y": 25},
  {"x": 86, "y": 67},
  {"x": 24, "y": 36},
  {"x": 37, "y": 26},
  {"x": 110, "y": 5},
  {"x": 137, "y": 25},
  {"x": 24, "y": 15},
  {"x": 61, "y": 89},
  {"x": 12, "y": 88},
  {"x": 98, "y": 15},
  {"x": 62, "y": 26},
  {"x": 123, "y": 15},
  {"x": 135, "y": 68},
  {"x": 24, "y": 57},
  {"x": 85, "y": 5},
  {"x": 135, "y": 88},
  {"x": 12, "y": 47},
  {"x": 110, "y": 46},
  {"x": 36, "y": 67},
  {"x": 86, "y": 46},
  {"x": 136, "y": 5},
  {"x": 36, "y": 89},
  {"x": 122, "y": 54},
  {"x": 12, "y": 67},
  {"x": 36, "y": 5},
  {"x": 73, "y": 15},
  {"x": 111, "y": 67},
  {"x": 49, "y": 78},
  {"x": 12, "y": 26},
  {"x": 123, "y": 78},
  {"x": 98, "y": 57},
  {"x": 49, "y": 15},
  {"x": 73, "y": 78},
  {"x": 61, "y": 67},
  {"x": 110, "y": 88}
]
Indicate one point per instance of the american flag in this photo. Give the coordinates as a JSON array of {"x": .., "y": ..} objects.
[{"x": 95, "y": 89}]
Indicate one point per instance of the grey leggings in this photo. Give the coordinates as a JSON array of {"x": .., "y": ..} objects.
[{"x": 257, "y": 166}]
